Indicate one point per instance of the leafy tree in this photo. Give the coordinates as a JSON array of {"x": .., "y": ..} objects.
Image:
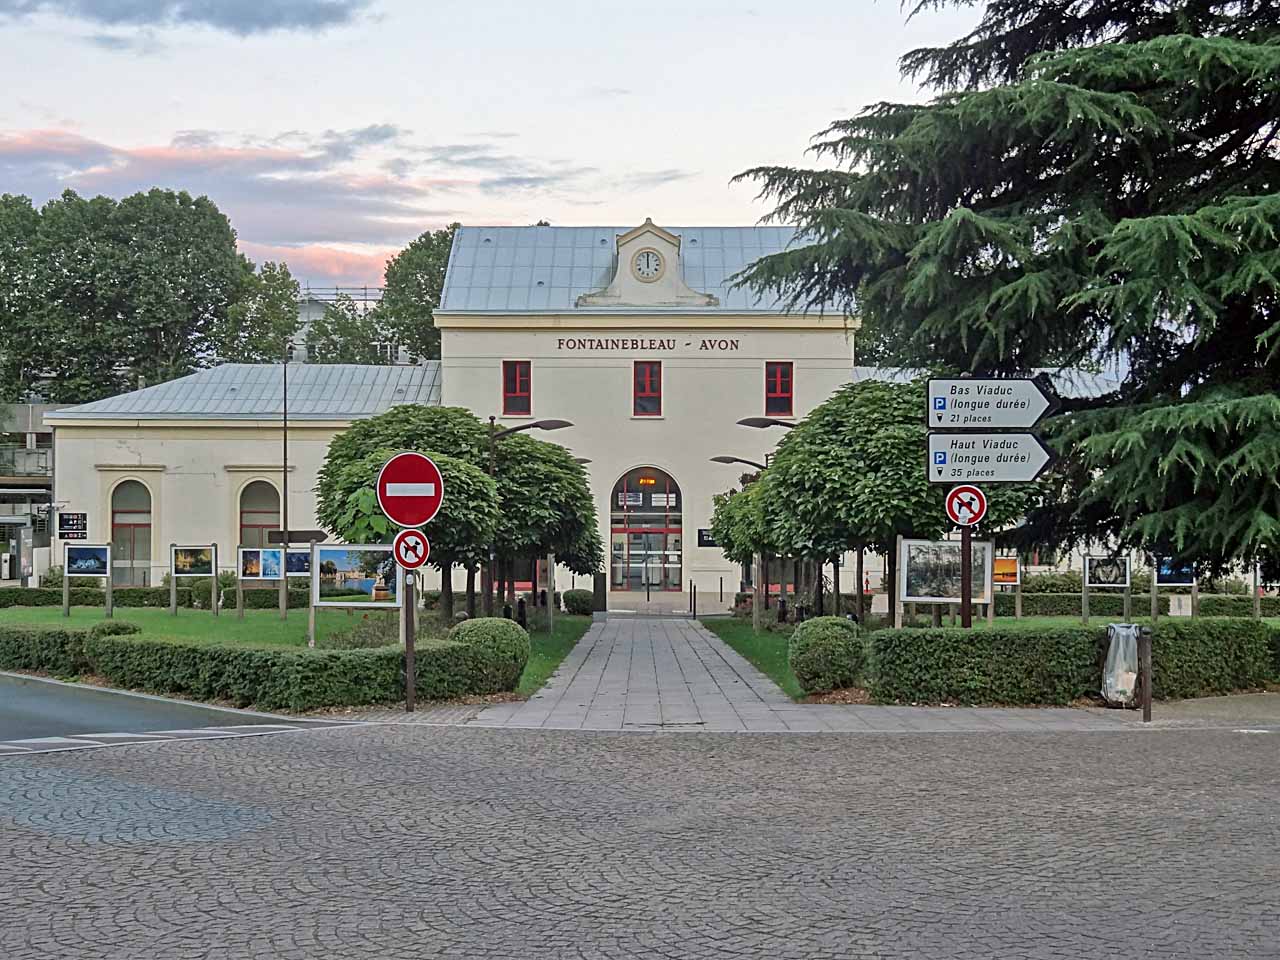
[
  {"x": 546, "y": 505},
  {"x": 737, "y": 524},
  {"x": 413, "y": 283},
  {"x": 263, "y": 320},
  {"x": 851, "y": 476},
  {"x": 101, "y": 295},
  {"x": 344, "y": 334},
  {"x": 1112, "y": 198}
]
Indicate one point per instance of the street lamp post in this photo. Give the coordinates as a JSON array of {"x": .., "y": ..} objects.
[
  {"x": 766, "y": 422},
  {"x": 486, "y": 581},
  {"x": 748, "y": 463}
]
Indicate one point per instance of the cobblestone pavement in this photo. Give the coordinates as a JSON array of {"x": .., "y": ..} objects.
[
  {"x": 646, "y": 674},
  {"x": 462, "y": 842}
]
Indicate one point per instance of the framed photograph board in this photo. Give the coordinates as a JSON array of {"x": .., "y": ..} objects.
[
  {"x": 191, "y": 561},
  {"x": 86, "y": 560},
  {"x": 260, "y": 563},
  {"x": 1170, "y": 574},
  {"x": 355, "y": 575},
  {"x": 1106, "y": 573},
  {"x": 298, "y": 562},
  {"x": 1006, "y": 572},
  {"x": 929, "y": 571}
]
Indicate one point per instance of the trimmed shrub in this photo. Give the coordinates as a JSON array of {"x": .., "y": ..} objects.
[
  {"x": 1197, "y": 658},
  {"x": 826, "y": 654},
  {"x": 1109, "y": 604},
  {"x": 430, "y": 599},
  {"x": 1065, "y": 581},
  {"x": 114, "y": 628},
  {"x": 265, "y": 599},
  {"x": 498, "y": 650},
  {"x": 92, "y": 597},
  {"x": 579, "y": 602},
  {"x": 368, "y": 633},
  {"x": 1237, "y": 606},
  {"x": 202, "y": 589},
  {"x": 54, "y": 650}
]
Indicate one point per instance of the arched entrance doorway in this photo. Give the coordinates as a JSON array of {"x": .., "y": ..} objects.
[
  {"x": 130, "y": 534},
  {"x": 259, "y": 513},
  {"x": 646, "y": 536}
]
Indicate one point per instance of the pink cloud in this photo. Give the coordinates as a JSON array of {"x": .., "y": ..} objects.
[{"x": 320, "y": 265}]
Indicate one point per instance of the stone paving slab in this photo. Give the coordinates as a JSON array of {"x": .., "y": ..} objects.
[{"x": 674, "y": 674}]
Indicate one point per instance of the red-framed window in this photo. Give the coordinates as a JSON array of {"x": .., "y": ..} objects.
[
  {"x": 779, "y": 388},
  {"x": 517, "y": 388},
  {"x": 646, "y": 396}
]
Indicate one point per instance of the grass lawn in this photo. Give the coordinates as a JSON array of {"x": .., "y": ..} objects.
[{"x": 767, "y": 651}]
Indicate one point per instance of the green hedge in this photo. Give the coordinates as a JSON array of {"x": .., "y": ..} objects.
[
  {"x": 1109, "y": 604},
  {"x": 825, "y": 653},
  {"x": 1236, "y": 606},
  {"x": 1197, "y": 658},
  {"x": 92, "y": 597},
  {"x": 1027, "y": 664},
  {"x": 265, "y": 599},
  {"x": 481, "y": 656},
  {"x": 1020, "y": 665},
  {"x": 579, "y": 602}
]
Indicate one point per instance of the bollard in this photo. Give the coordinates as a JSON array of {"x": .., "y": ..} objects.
[
  {"x": 522, "y": 617},
  {"x": 506, "y": 611},
  {"x": 695, "y": 600},
  {"x": 782, "y": 610},
  {"x": 542, "y": 598},
  {"x": 1144, "y": 668},
  {"x": 722, "y": 589}
]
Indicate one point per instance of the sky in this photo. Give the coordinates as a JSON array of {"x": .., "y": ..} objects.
[{"x": 333, "y": 132}]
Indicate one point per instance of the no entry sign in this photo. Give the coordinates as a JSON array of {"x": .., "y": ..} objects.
[
  {"x": 966, "y": 505},
  {"x": 410, "y": 489},
  {"x": 411, "y": 549}
]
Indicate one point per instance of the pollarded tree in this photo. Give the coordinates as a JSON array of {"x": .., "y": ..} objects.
[
  {"x": 1113, "y": 197},
  {"x": 450, "y": 432},
  {"x": 851, "y": 476},
  {"x": 459, "y": 534},
  {"x": 546, "y": 506}
]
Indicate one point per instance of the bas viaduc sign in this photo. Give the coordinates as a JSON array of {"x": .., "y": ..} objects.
[{"x": 975, "y": 429}]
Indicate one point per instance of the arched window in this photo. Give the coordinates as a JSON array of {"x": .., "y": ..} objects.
[
  {"x": 259, "y": 513},
  {"x": 646, "y": 536},
  {"x": 130, "y": 535}
]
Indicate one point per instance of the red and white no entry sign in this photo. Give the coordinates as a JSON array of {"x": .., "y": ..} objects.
[
  {"x": 411, "y": 549},
  {"x": 410, "y": 489},
  {"x": 966, "y": 505}
]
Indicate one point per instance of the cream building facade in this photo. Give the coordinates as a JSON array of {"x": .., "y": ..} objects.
[{"x": 636, "y": 336}]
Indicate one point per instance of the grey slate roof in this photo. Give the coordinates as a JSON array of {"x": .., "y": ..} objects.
[
  {"x": 247, "y": 391},
  {"x": 546, "y": 269}
]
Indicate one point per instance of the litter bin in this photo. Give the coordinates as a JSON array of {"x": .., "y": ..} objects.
[{"x": 1120, "y": 674}]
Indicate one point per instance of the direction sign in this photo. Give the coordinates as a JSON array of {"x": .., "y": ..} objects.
[
  {"x": 410, "y": 489},
  {"x": 993, "y": 457},
  {"x": 411, "y": 549},
  {"x": 966, "y": 505},
  {"x": 993, "y": 404}
]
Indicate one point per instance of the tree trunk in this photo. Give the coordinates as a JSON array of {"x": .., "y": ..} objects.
[
  {"x": 858, "y": 576},
  {"x": 511, "y": 581},
  {"x": 817, "y": 588},
  {"x": 446, "y": 591},
  {"x": 795, "y": 581},
  {"x": 471, "y": 590},
  {"x": 835, "y": 584}
]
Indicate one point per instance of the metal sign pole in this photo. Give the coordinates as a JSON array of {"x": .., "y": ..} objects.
[
  {"x": 1257, "y": 596},
  {"x": 239, "y": 587},
  {"x": 215, "y": 600},
  {"x": 966, "y": 577},
  {"x": 173, "y": 582},
  {"x": 1155, "y": 594},
  {"x": 110, "y": 611},
  {"x": 66, "y": 588},
  {"x": 1195, "y": 598},
  {"x": 406, "y": 608},
  {"x": 1084, "y": 594},
  {"x": 551, "y": 591}
]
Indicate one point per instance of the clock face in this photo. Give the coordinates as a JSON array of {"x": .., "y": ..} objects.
[{"x": 647, "y": 265}]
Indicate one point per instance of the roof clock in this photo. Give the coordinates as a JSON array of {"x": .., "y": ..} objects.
[{"x": 647, "y": 265}]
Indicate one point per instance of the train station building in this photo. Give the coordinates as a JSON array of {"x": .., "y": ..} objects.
[{"x": 635, "y": 335}]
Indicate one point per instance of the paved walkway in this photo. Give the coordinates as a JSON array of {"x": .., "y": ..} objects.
[{"x": 651, "y": 674}]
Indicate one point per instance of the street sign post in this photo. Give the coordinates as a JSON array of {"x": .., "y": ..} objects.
[
  {"x": 410, "y": 489},
  {"x": 410, "y": 492},
  {"x": 966, "y": 506},
  {"x": 997, "y": 404},
  {"x": 988, "y": 457}
]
